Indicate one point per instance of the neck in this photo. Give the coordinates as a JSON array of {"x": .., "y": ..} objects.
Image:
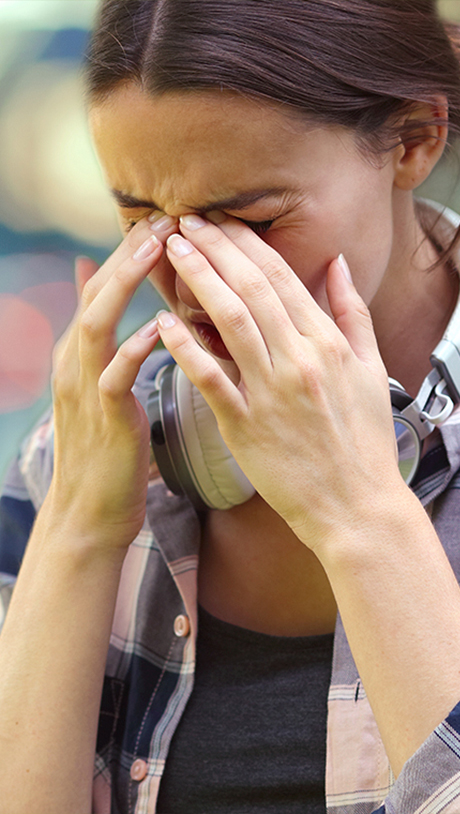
[
  {"x": 255, "y": 573},
  {"x": 413, "y": 295}
]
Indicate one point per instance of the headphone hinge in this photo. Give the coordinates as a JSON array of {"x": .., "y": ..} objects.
[
  {"x": 446, "y": 359},
  {"x": 416, "y": 412}
]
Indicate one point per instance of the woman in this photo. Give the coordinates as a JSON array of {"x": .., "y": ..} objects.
[{"x": 263, "y": 158}]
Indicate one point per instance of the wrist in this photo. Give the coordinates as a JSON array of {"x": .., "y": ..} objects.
[
  {"x": 59, "y": 528},
  {"x": 386, "y": 521},
  {"x": 107, "y": 519}
]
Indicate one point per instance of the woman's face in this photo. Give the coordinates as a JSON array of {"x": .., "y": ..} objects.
[{"x": 194, "y": 152}]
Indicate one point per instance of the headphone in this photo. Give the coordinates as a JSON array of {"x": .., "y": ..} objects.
[
  {"x": 188, "y": 448},
  {"x": 194, "y": 460}
]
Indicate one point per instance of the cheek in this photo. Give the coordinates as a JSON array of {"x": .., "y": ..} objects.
[
  {"x": 308, "y": 253},
  {"x": 364, "y": 234},
  {"x": 368, "y": 248}
]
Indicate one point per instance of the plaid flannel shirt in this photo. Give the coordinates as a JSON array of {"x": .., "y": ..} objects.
[{"x": 150, "y": 664}]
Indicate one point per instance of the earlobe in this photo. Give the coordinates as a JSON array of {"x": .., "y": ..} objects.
[{"x": 423, "y": 139}]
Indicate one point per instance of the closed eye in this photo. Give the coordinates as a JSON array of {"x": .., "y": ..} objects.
[{"x": 259, "y": 227}]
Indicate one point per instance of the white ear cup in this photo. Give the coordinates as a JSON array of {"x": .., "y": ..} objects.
[{"x": 217, "y": 477}]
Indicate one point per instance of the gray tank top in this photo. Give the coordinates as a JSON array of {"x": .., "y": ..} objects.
[{"x": 253, "y": 735}]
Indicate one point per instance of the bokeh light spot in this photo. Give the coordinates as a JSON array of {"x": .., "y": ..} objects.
[{"x": 26, "y": 343}]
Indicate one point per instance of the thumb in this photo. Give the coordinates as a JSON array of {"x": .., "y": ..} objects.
[
  {"x": 84, "y": 270},
  {"x": 351, "y": 313}
]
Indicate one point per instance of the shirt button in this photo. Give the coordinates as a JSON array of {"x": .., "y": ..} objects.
[
  {"x": 181, "y": 625},
  {"x": 138, "y": 770}
]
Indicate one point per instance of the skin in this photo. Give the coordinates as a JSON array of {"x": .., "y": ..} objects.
[
  {"x": 302, "y": 403},
  {"x": 336, "y": 201},
  {"x": 210, "y": 147}
]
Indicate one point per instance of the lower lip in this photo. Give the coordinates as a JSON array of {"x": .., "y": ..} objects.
[{"x": 212, "y": 340}]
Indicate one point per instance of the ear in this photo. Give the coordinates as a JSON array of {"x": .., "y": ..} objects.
[{"x": 423, "y": 146}]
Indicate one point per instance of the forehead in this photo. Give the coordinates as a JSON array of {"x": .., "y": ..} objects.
[{"x": 187, "y": 149}]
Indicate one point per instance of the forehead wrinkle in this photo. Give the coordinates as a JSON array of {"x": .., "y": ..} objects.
[{"x": 238, "y": 202}]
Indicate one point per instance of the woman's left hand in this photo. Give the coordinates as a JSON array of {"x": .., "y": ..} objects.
[{"x": 308, "y": 418}]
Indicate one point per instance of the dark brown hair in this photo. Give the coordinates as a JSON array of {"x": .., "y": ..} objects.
[{"x": 357, "y": 63}]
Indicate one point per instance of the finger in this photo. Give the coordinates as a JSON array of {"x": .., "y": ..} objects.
[
  {"x": 199, "y": 366},
  {"x": 351, "y": 314},
  {"x": 162, "y": 275},
  {"x": 98, "y": 323},
  {"x": 127, "y": 248},
  {"x": 85, "y": 268},
  {"x": 297, "y": 300},
  {"x": 90, "y": 340},
  {"x": 244, "y": 278},
  {"x": 118, "y": 378},
  {"x": 229, "y": 313},
  {"x": 163, "y": 225}
]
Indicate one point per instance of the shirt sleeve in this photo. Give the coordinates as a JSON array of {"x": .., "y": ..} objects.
[
  {"x": 6, "y": 589},
  {"x": 17, "y": 515},
  {"x": 430, "y": 780},
  {"x": 29, "y": 476},
  {"x": 26, "y": 483}
]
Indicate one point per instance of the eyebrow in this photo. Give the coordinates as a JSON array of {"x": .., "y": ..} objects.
[{"x": 237, "y": 202}]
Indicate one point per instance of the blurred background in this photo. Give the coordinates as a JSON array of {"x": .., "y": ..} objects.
[{"x": 53, "y": 202}]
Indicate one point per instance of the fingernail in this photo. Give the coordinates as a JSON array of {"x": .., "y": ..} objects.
[
  {"x": 216, "y": 216},
  {"x": 166, "y": 319},
  {"x": 162, "y": 224},
  {"x": 156, "y": 215},
  {"x": 149, "y": 330},
  {"x": 146, "y": 249},
  {"x": 192, "y": 222},
  {"x": 179, "y": 246},
  {"x": 345, "y": 268}
]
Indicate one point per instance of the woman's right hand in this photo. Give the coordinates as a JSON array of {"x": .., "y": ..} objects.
[{"x": 101, "y": 463}]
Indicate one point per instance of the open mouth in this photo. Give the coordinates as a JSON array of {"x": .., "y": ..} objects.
[{"x": 212, "y": 340}]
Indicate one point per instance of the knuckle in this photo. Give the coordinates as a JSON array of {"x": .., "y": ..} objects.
[
  {"x": 332, "y": 348},
  {"x": 89, "y": 292},
  {"x": 195, "y": 266},
  {"x": 179, "y": 344},
  {"x": 209, "y": 377},
  {"x": 123, "y": 277},
  {"x": 234, "y": 317},
  {"x": 137, "y": 235},
  {"x": 308, "y": 372},
  {"x": 253, "y": 288},
  {"x": 57, "y": 353},
  {"x": 305, "y": 373},
  {"x": 215, "y": 238},
  {"x": 363, "y": 311},
  {"x": 62, "y": 384},
  {"x": 134, "y": 238},
  {"x": 127, "y": 352},
  {"x": 106, "y": 389},
  {"x": 238, "y": 229},
  {"x": 274, "y": 269},
  {"x": 89, "y": 328}
]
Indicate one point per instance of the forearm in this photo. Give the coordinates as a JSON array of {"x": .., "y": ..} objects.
[
  {"x": 400, "y": 605},
  {"x": 53, "y": 650}
]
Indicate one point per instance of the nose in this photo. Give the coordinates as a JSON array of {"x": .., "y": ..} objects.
[{"x": 186, "y": 296}]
